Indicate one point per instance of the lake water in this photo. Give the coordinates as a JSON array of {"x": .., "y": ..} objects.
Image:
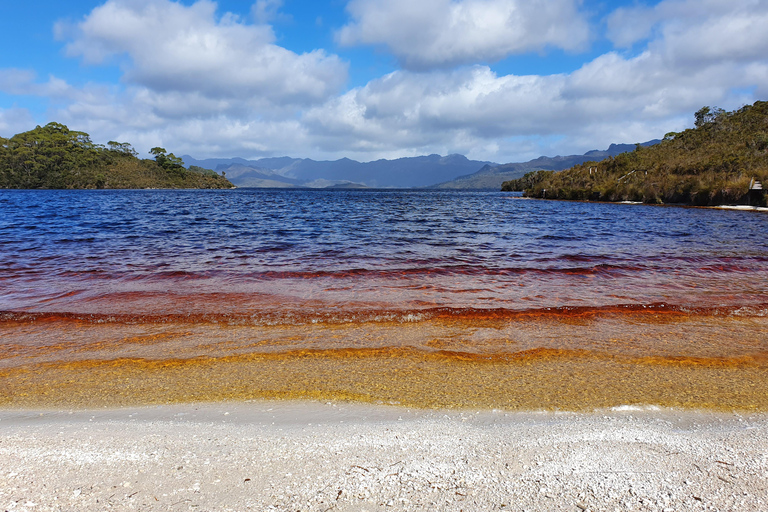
[{"x": 430, "y": 298}]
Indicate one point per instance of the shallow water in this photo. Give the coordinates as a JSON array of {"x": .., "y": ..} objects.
[{"x": 420, "y": 297}]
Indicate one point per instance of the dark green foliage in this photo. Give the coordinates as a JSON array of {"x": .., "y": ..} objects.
[
  {"x": 711, "y": 164},
  {"x": 169, "y": 162},
  {"x": 54, "y": 156},
  {"x": 203, "y": 171},
  {"x": 707, "y": 115},
  {"x": 122, "y": 147},
  {"x": 529, "y": 180}
]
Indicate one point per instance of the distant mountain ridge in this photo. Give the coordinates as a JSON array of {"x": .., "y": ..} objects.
[
  {"x": 287, "y": 172},
  {"x": 431, "y": 171},
  {"x": 491, "y": 177}
]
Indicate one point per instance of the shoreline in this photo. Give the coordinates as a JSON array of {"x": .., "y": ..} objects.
[
  {"x": 312, "y": 456},
  {"x": 735, "y": 207}
]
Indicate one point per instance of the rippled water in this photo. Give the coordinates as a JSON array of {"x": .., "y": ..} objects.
[
  {"x": 247, "y": 251},
  {"x": 82, "y": 273}
]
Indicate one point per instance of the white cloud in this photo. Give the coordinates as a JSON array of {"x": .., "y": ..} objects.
[
  {"x": 15, "y": 120},
  {"x": 23, "y": 82},
  {"x": 456, "y": 111},
  {"x": 146, "y": 118},
  {"x": 710, "y": 46},
  {"x": 183, "y": 122},
  {"x": 699, "y": 53},
  {"x": 681, "y": 59},
  {"x": 740, "y": 36},
  {"x": 626, "y": 27},
  {"x": 265, "y": 11},
  {"x": 166, "y": 46},
  {"x": 613, "y": 98},
  {"x": 15, "y": 81},
  {"x": 706, "y": 23},
  {"x": 441, "y": 33}
]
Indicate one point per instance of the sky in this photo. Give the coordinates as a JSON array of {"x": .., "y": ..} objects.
[{"x": 495, "y": 80}]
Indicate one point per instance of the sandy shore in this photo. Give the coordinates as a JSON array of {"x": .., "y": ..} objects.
[{"x": 310, "y": 457}]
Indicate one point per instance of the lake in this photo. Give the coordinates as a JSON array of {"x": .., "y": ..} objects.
[{"x": 424, "y": 298}]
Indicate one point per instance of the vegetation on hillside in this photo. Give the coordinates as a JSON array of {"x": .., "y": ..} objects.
[
  {"x": 711, "y": 164},
  {"x": 53, "y": 156}
]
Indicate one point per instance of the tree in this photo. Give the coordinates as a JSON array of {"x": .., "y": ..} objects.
[
  {"x": 707, "y": 115},
  {"x": 122, "y": 147},
  {"x": 167, "y": 161},
  {"x": 203, "y": 171}
]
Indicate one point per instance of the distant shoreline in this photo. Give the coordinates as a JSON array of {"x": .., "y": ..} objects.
[{"x": 737, "y": 207}]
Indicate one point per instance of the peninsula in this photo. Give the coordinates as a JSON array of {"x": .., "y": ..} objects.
[
  {"x": 55, "y": 157},
  {"x": 723, "y": 160}
]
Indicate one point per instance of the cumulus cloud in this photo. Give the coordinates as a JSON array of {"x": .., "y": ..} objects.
[
  {"x": 167, "y": 46},
  {"x": 697, "y": 25},
  {"x": 14, "y": 120},
  {"x": 15, "y": 81},
  {"x": 25, "y": 82},
  {"x": 721, "y": 43},
  {"x": 457, "y": 110},
  {"x": 695, "y": 53},
  {"x": 613, "y": 98},
  {"x": 442, "y": 33},
  {"x": 682, "y": 56},
  {"x": 740, "y": 36},
  {"x": 147, "y": 118},
  {"x": 265, "y": 11},
  {"x": 183, "y": 122}
]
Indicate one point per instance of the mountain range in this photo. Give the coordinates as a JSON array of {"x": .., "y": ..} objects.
[
  {"x": 432, "y": 171},
  {"x": 491, "y": 177},
  {"x": 286, "y": 172}
]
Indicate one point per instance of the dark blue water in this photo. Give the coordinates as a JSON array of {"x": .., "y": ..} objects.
[{"x": 262, "y": 252}]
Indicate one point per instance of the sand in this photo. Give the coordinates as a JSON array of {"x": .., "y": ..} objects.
[{"x": 304, "y": 456}]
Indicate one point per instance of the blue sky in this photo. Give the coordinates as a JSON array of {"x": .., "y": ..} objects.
[{"x": 498, "y": 80}]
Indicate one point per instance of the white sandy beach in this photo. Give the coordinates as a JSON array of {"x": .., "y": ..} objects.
[{"x": 311, "y": 457}]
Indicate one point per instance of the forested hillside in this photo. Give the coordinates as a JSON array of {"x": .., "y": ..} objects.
[
  {"x": 53, "y": 156},
  {"x": 711, "y": 164}
]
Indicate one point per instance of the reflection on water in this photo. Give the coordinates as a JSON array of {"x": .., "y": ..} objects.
[{"x": 424, "y": 298}]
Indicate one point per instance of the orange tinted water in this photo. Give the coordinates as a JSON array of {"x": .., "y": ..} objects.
[{"x": 539, "y": 361}]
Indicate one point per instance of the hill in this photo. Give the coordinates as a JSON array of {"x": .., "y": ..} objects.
[
  {"x": 420, "y": 171},
  {"x": 55, "y": 157},
  {"x": 711, "y": 164},
  {"x": 492, "y": 177}
]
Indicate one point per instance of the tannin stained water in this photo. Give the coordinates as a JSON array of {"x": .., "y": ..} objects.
[{"x": 419, "y": 297}]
